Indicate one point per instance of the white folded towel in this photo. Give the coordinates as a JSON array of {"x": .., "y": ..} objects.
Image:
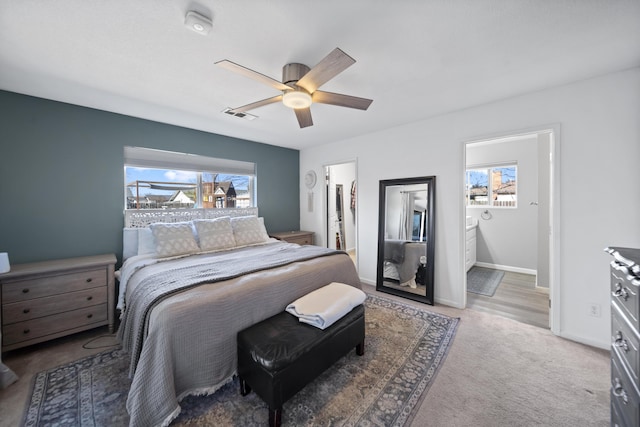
[{"x": 323, "y": 307}]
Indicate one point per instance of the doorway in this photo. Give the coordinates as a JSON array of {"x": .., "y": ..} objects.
[
  {"x": 509, "y": 212},
  {"x": 341, "y": 207}
]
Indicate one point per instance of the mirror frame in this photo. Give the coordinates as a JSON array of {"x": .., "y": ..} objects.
[{"x": 430, "y": 252}]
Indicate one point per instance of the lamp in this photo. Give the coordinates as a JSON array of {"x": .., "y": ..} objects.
[
  {"x": 4, "y": 262},
  {"x": 296, "y": 99}
]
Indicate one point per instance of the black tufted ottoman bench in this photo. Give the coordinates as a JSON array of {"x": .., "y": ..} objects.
[{"x": 280, "y": 355}]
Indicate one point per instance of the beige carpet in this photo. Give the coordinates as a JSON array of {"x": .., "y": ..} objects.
[{"x": 498, "y": 373}]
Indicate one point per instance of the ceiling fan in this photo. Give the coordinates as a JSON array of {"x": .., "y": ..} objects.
[{"x": 300, "y": 85}]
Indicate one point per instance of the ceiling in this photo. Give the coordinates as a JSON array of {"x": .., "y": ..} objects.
[{"x": 415, "y": 58}]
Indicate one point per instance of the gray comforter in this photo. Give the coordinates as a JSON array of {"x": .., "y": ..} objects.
[{"x": 188, "y": 339}]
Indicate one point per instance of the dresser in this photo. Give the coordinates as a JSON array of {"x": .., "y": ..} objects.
[
  {"x": 46, "y": 300},
  {"x": 625, "y": 336},
  {"x": 299, "y": 237}
]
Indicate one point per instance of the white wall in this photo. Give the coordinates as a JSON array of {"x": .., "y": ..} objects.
[
  {"x": 599, "y": 144},
  {"x": 509, "y": 238}
]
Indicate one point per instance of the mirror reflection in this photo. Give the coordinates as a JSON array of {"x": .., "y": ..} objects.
[{"x": 405, "y": 246}]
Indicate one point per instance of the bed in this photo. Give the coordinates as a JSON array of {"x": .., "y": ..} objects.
[
  {"x": 402, "y": 261},
  {"x": 180, "y": 312}
]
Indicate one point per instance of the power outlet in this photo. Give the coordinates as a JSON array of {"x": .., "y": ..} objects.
[{"x": 594, "y": 310}]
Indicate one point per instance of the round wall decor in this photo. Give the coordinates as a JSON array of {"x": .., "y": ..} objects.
[{"x": 310, "y": 179}]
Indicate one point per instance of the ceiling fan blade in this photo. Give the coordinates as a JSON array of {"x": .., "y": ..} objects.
[
  {"x": 304, "y": 117},
  {"x": 254, "y": 75},
  {"x": 341, "y": 100},
  {"x": 257, "y": 104},
  {"x": 332, "y": 65}
]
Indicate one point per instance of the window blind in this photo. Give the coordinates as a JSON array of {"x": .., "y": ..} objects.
[{"x": 160, "y": 159}]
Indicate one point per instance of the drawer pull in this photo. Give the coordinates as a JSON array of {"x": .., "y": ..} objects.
[
  {"x": 620, "y": 342},
  {"x": 89, "y": 316},
  {"x": 26, "y": 331},
  {"x": 620, "y": 292},
  {"x": 89, "y": 280},
  {"x": 618, "y": 391},
  {"x": 89, "y": 298},
  {"x": 26, "y": 310},
  {"x": 25, "y": 291}
]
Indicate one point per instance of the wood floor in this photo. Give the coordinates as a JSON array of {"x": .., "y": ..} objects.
[{"x": 516, "y": 298}]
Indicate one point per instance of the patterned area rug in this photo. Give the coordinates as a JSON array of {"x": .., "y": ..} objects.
[
  {"x": 483, "y": 281},
  {"x": 404, "y": 348}
]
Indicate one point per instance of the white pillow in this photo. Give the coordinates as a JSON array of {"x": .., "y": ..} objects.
[
  {"x": 248, "y": 230},
  {"x": 174, "y": 239},
  {"x": 129, "y": 243},
  {"x": 146, "y": 244},
  {"x": 215, "y": 234}
]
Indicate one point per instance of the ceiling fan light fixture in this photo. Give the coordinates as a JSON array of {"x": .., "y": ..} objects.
[{"x": 296, "y": 99}]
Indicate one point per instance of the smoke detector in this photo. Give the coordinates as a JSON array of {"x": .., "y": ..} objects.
[{"x": 197, "y": 22}]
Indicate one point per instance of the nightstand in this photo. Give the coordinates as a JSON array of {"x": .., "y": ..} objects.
[
  {"x": 299, "y": 237},
  {"x": 46, "y": 300}
]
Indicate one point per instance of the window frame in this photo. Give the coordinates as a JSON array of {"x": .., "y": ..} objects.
[
  {"x": 490, "y": 167},
  {"x": 148, "y": 158}
]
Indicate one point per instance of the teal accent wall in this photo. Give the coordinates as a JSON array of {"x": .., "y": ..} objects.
[{"x": 62, "y": 180}]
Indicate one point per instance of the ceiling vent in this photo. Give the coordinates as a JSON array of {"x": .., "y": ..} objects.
[{"x": 246, "y": 116}]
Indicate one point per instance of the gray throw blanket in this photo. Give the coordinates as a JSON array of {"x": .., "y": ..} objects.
[
  {"x": 394, "y": 250},
  {"x": 189, "y": 337},
  {"x": 226, "y": 265}
]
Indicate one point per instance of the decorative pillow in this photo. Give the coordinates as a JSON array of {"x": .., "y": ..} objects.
[
  {"x": 248, "y": 230},
  {"x": 215, "y": 234},
  {"x": 146, "y": 244},
  {"x": 174, "y": 239},
  {"x": 129, "y": 243}
]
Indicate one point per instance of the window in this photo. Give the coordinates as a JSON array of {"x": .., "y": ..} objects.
[
  {"x": 156, "y": 179},
  {"x": 494, "y": 186}
]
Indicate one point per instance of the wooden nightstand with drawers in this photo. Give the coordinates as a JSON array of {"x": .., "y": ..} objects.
[
  {"x": 299, "y": 237},
  {"x": 46, "y": 300}
]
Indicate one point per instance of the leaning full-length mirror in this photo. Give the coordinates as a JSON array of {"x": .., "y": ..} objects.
[{"x": 406, "y": 234}]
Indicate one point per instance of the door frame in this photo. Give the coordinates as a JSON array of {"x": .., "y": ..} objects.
[
  {"x": 325, "y": 203},
  {"x": 554, "y": 215}
]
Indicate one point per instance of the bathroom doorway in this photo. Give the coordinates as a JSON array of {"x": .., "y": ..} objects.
[{"x": 509, "y": 210}]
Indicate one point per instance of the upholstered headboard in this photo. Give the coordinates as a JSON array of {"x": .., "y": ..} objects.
[
  {"x": 136, "y": 221},
  {"x": 140, "y": 218}
]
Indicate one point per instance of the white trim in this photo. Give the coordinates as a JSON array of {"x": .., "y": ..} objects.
[
  {"x": 507, "y": 268},
  {"x": 531, "y": 271},
  {"x": 448, "y": 302},
  {"x": 605, "y": 345},
  {"x": 554, "y": 230}
]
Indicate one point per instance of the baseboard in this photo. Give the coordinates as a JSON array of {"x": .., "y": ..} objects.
[
  {"x": 440, "y": 301},
  {"x": 507, "y": 268},
  {"x": 605, "y": 345},
  {"x": 448, "y": 303},
  {"x": 367, "y": 281}
]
